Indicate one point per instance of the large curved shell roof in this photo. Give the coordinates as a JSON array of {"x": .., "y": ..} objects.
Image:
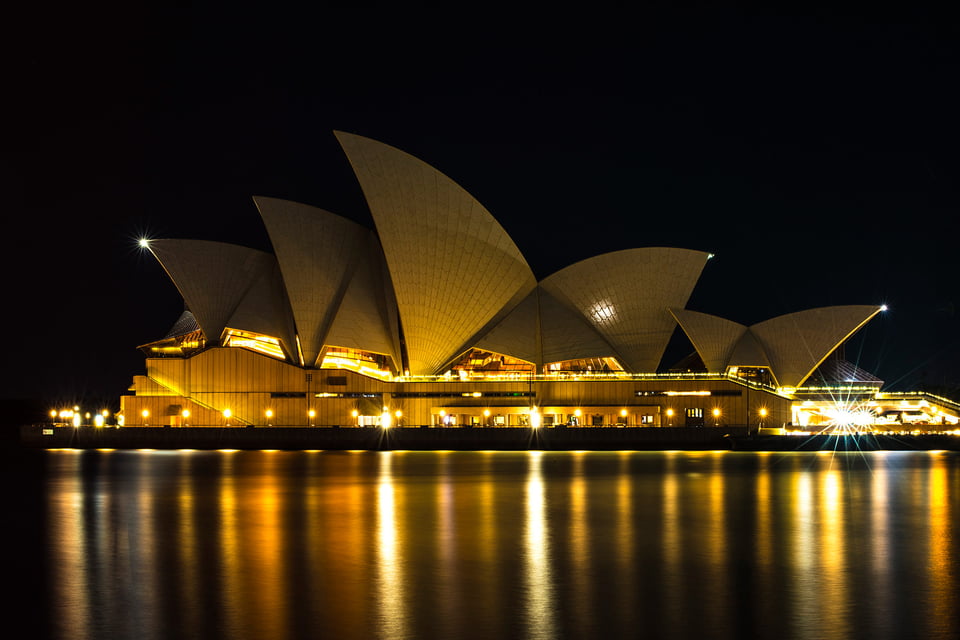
[
  {"x": 318, "y": 252},
  {"x": 454, "y": 269},
  {"x": 212, "y": 277},
  {"x": 625, "y": 295},
  {"x": 713, "y": 337},
  {"x": 797, "y": 343}
]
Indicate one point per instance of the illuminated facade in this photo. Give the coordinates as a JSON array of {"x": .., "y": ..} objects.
[{"x": 435, "y": 319}]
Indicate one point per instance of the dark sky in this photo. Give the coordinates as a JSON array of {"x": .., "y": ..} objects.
[{"x": 815, "y": 154}]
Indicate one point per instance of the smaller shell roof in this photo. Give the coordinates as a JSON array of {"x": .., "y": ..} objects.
[
  {"x": 797, "y": 343},
  {"x": 626, "y": 296},
  {"x": 185, "y": 324},
  {"x": 713, "y": 337},
  {"x": 212, "y": 277}
]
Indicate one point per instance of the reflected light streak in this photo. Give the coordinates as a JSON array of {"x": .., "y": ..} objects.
[
  {"x": 833, "y": 545},
  {"x": 803, "y": 544},
  {"x": 229, "y": 542},
  {"x": 580, "y": 549},
  {"x": 446, "y": 543},
  {"x": 540, "y": 605},
  {"x": 137, "y": 549},
  {"x": 879, "y": 538},
  {"x": 717, "y": 609},
  {"x": 675, "y": 605},
  {"x": 764, "y": 536},
  {"x": 187, "y": 548},
  {"x": 943, "y": 582},
  {"x": 264, "y": 597},
  {"x": 67, "y": 527},
  {"x": 626, "y": 542},
  {"x": 390, "y": 580}
]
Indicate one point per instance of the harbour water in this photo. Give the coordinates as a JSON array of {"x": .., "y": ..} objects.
[{"x": 284, "y": 544}]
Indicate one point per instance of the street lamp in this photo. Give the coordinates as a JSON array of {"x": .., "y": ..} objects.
[{"x": 716, "y": 417}]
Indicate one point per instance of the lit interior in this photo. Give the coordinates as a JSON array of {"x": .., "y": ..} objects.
[
  {"x": 182, "y": 345},
  {"x": 267, "y": 345},
  {"x": 491, "y": 362},
  {"x": 592, "y": 365},
  {"x": 367, "y": 363}
]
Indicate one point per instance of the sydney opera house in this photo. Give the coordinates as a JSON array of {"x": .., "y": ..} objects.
[{"x": 434, "y": 319}]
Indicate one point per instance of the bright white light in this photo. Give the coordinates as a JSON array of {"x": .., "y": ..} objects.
[
  {"x": 144, "y": 243},
  {"x": 603, "y": 311},
  {"x": 883, "y": 307},
  {"x": 847, "y": 416}
]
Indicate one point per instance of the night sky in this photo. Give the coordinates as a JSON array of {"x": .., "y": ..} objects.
[{"x": 815, "y": 154}]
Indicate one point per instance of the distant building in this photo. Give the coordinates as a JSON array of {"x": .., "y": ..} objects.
[{"x": 435, "y": 319}]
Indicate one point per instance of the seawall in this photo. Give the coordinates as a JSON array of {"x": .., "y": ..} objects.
[{"x": 396, "y": 438}]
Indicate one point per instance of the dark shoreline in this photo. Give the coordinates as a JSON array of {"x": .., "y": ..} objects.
[{"x": 466, "y": 439}]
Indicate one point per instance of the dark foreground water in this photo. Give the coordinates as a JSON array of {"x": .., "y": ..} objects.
[{"x": 491, "y": 545}]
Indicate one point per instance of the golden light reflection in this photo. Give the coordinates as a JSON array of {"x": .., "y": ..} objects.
[
  {"x": 229, "y": 536},
  {"x": 832, "y": 541},
  {"x": 390, "y": 586},
  {"x": 715, "y": 609},
  {"x": 446, "y": 542},
  {"x": 881, "y": 585},
  {"x": 485, "y": 542},
  {"x": 672, "y": 543},
  {"x": 187, "y": 540},
  {"x": 943, "y": 581},
  {"x": 579, "y": 540},
  {"x": 763, "y": 547},
  {"x": 803, "y": 546},
  {"x": 67, "y": 525},
  {"x": 136, "y": 552},
  {"x": 265, "y": 600},
  {"x": 539, "y": 606},
  {"x": 625, "y": 537}
]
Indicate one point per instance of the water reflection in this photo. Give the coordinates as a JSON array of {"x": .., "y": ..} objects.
[
  {"x": 476, "y": 545},
  {"x": 539, "y": 606},
  {"x": 390, "y": 594}
]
